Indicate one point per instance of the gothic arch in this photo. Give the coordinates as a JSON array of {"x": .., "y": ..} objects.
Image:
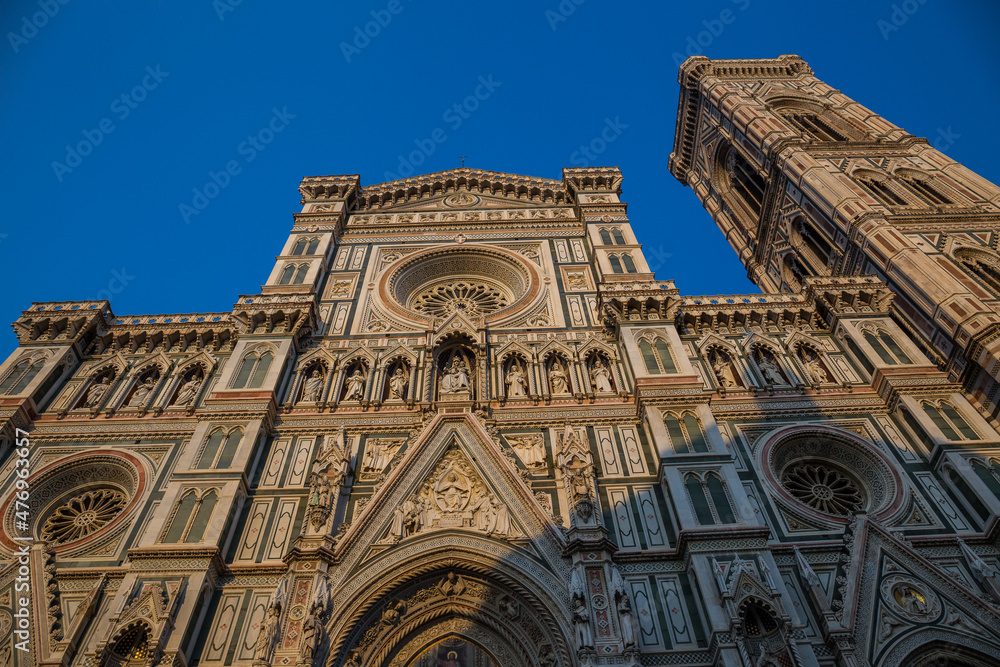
[
  {"x": 984, "y": 264},
  {"x": 419, "y": 571},
  {"x": 929, "y": 645}
]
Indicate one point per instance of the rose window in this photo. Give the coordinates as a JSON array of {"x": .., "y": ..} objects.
[
  {"x": 471, "y": 298},
  {"x": 83, "y": 515},
  {"x": 823, "y": 488}
]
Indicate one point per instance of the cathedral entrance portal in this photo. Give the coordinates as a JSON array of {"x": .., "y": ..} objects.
[{"x": 454, "y": 651}]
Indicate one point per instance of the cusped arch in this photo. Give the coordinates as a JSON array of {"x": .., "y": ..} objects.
[{"x": 425, "y": 563}]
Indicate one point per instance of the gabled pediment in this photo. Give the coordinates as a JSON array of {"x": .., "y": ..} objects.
[
  {"x": 454, "y": 480},
  {"x": 890, "y": 591}
]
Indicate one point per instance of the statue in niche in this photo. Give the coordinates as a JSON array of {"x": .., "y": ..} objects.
[
  {"x": 600, "y": 375},
  {"x": 312, "y": 635},
  {"x": 456, "y": 377},
  {"x": 581, "y": 614},
  {"x": 97, "y": 392},
  {"x": 398, "y": 383},
  {"x": 558, "y": 383},
  {"x": 452, "y": 584},
  {"x": 814, "y": 367},
  {"x": 910, "y": 600},
  {"x": 313, "y": 387},
  {"x": 188, "y": 391},
  {"x": 768, "y": 366},
  {"x": 515, "y": 381},
  {"x": 142, "y": 392},
  {"x": 355, "y": 386},
  {"x": 624, "y": 607},
  {"x": 723, "y": 369},
  {"x": 268, "y": 635}
]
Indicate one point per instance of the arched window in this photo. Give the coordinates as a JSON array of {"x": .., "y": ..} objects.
[
  {"x": 967, "y": 494},
  {"x": 220, "y": 449},
  {"x": 720, "y": 500},
  {"x": 710, "y": 500},
  {"x": 132, "y": 648},
  {"x": 605, "y": 237},
  {"x": 656, "y": 355},
  {"x": 286, "y": 275},
  {"x": 927, "y": 189},
  {"x": 886, "y": 348},
  {"x": 985, "y": 266},
  {"x": 859, "y": 355},
  {"x": 253, "y": 370},
  {"x": 20, "y": 376},
  {"x": 685, "y": 433},
  {"x": 989, "y": 474},
  {"x": 762, "y": 629},
  {"x": 814, "y": 246},
  {"x": 619, "y": 238},
  {"x": 748, "y": 185},
  {"x": 792, "y": 272},
  {"x": 616, "y": 264},
  {"x": 300, "y": 274},
  {"x": 191, "y": 518},
  {"x": 883, "y": 190},
  {"x": 629, "y": 264},
  {"x": 812, "y": 125},
  {"x": 917, "y": 429},
  {"x": 699, "y": 500},
  {"x": 313, "y": 245},
  {"x": 300, "y": 247},
  {"x": 947, "y": 419}
]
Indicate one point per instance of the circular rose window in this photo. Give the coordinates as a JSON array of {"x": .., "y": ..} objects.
[
  {"x": 479, "y": 281},
  {"x": 830, "y": 472},
  {"x": 83, "y": 515}
]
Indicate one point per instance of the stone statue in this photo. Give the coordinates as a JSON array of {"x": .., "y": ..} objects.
[
  {"x": 452, "y": 584},
  {"x": 353, "y": 659},
  {"x": 499, "y": 520},
  {"x": 558, "y": 383},
  {"x": 186, "y": 394},
  {"x": 312, "y": 636},
  {"x": 268, "y": 635},
  {"x": 516, "y": 386},
  {"x": 911, "y": 602},
  {"x": 601, "y": 377},
  {"x": 355, "y": 386},
  {"x": 456, "y": 378},
  {"x": 769, "y": 368},
  {"x": 627, "y": 621},
  {"x": 142, "y": 392},
  {"x": 313, "y": 387},
  {"x": 97, "y": 392},
  {"x": 531, "y": 449},
  {"x": 398, "y": 383},
  {"x": 581, "y": 622},
  {"x": 723, "y": 370},
  {"x": 814, "y": 367}
]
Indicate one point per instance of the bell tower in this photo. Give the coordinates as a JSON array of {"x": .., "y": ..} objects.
[{"x": 805, "y": 181}]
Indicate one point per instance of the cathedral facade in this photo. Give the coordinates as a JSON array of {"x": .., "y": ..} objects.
[{"x": 462, "y": 424}]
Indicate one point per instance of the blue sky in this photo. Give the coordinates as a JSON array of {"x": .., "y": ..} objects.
[{"x": 275, "y": 93}]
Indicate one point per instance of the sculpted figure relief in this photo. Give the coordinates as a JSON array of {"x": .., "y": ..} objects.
[
  {"x": 516, "y": 384},
  {"x": 558, "y": 383},
  {"x": 97, "y": 392},
  {"x": 313, "y": 387},
  {"x": 600, "y": 375},
  {"x": 142, "y": 392},
  {"x": 723, "y": 369},
  {"x": 398, "y": 383},
  {"x": 531, "y": 449},
  {"x": 312, "y": 636},
  {"x": 355, "y": 386},
  {"x": 268, "y": 635},
  {"x": 456, "y": 377},
  {"x": 769, "y": 367},
  {"x": 188, "y": 391},
  {"x": 814, "y": 367}
]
